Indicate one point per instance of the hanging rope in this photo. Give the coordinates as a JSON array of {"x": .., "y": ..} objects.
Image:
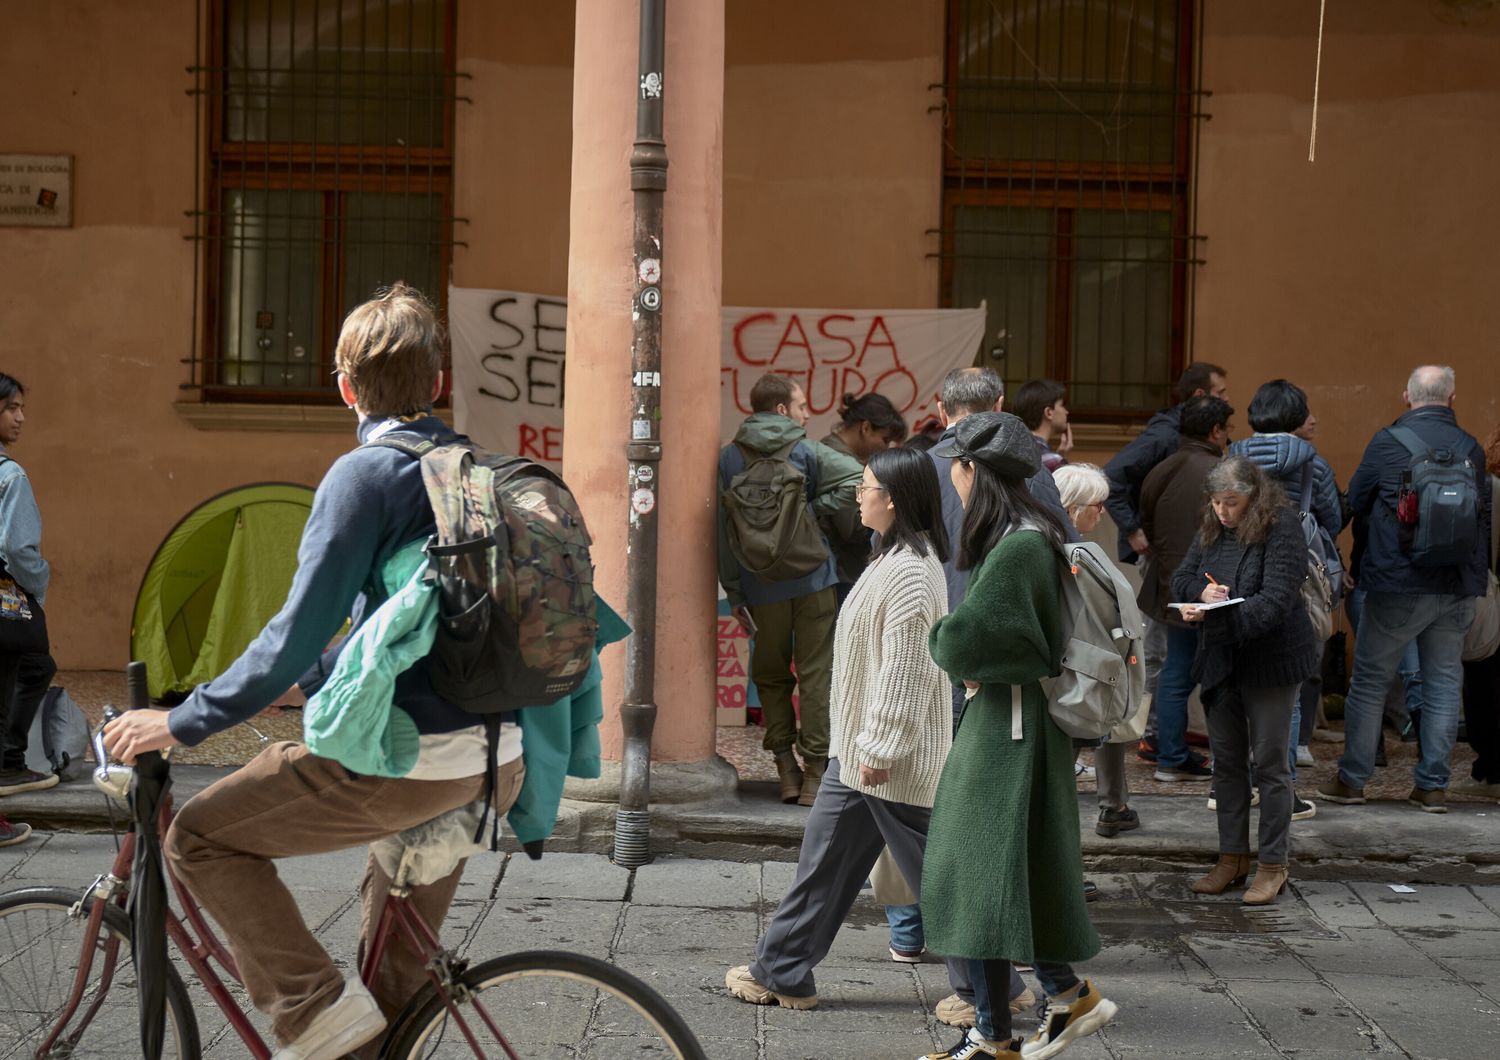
[{"x": 1312, "y": 143}]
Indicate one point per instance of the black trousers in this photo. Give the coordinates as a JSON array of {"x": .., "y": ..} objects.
[
  {"x": 24, "y": 680},
  {"x": 1482, "y": 716}
]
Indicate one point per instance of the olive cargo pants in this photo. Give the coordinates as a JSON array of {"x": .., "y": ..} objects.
[{"x": 798, "y": 630}]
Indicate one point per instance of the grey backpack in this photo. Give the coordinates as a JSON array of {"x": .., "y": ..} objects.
[
  {"x": 1100, "y": 693},
  {"x": 59, "y": 735}
]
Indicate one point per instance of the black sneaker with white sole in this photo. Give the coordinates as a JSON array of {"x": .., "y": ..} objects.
[{"x": 1303, "y": 810}]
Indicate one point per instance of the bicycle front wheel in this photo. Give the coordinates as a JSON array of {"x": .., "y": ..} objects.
[
  {"x": 41, "y": 945},
  {"x": 542, "y": 1003}
]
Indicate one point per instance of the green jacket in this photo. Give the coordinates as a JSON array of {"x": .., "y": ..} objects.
[
  {"x": 837, "y": 507},
  {"x": 1000, "y": 874},
  {"x": 827, "y": 473},
  {"x": 352, "y": 721}
]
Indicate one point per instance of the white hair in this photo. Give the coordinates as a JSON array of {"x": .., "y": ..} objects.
[
  {"x": 1080, "y": 485},
  {"x": 1430, "y": 385}
]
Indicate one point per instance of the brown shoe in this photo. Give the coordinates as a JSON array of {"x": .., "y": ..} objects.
[
  {"x": 1229, "y": 871},
  {"x": 790, "y": 775},
  {"x": 1434, "y": 801},
  {"x": 1336, "y": 790},
  {"x": 1477, "y": 788},
  {"x": 1270, "y": 881},
  {"x": 812, "y": 779}
]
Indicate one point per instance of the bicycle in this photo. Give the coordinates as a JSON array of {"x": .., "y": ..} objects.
[{"x": 53, "y": 941}]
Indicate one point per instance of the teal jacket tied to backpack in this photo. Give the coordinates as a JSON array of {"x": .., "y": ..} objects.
[{"x": 352, "y": 720}]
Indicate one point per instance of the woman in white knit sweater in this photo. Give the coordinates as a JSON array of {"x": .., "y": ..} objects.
[{"x": 891, "y": 722}]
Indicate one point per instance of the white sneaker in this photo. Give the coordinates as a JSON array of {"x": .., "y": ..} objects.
[
  {"x": 1305, "y": 756},
  {"x": 342, "y": 1027}
]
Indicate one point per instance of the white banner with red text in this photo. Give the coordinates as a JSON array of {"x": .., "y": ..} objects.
[{"x": 509, "y": 359}]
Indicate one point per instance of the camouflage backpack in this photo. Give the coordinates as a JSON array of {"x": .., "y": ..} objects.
[{"x": 511, "y": 558}]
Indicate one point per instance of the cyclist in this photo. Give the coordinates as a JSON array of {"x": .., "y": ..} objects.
[{"x": 288, "y": 801}]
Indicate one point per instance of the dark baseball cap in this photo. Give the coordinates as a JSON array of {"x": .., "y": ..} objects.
[{"x": 998, "y": 440}]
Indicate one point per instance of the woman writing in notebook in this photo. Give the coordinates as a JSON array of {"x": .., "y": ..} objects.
[{"x": 1252, "y": 658}]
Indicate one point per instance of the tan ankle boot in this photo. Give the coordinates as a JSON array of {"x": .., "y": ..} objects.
[
  {"x": 812, "y": 779},
  {"x": 1270, "y": 881},
  {"x": 1229, "y": 871},
  {"x": 790, "y": 775}
]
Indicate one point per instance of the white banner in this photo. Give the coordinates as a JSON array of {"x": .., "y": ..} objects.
[{"x": 508, "y": 362}]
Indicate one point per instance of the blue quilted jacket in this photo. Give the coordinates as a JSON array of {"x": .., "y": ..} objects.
[{"x": 1283, "y": 457}]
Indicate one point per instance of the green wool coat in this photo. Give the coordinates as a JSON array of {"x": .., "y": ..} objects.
[{"x": 1003, "y": 873}]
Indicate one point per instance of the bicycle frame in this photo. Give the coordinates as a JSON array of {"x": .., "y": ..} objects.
[{"x": 397, "y": 919}]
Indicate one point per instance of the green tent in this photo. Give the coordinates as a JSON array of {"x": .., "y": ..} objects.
[{"x": 219, "y": 577}]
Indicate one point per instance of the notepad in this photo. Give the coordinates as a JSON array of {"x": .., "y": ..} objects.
[{"x": 1210, "y": 607}]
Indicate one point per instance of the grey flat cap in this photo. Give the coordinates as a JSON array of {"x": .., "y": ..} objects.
[{"x": 997, "y": 440}]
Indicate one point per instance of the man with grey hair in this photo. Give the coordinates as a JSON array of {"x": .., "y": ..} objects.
[
  {"x": 1420, "y": 578},
  {"x": 967, "y": 391}
]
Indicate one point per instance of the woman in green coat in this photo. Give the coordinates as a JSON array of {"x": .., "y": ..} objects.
[{"x": 1003, "y": 844}]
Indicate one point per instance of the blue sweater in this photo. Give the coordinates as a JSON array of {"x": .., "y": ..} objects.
[
  {"x": 21, "y": 530},
  {"x": 371, "y": 502}
]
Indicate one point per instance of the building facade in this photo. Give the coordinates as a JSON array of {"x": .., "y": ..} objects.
[{"x": 1125, "y": 184}]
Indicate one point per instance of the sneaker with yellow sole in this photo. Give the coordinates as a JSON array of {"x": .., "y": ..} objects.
[
  {"x": 744, "y": 986},
  {"x": 1064, "y": 1022}
]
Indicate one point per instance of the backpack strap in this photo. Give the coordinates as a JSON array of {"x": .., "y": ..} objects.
[
  {"x": 1410, "y": 440},
  {"x": 492, "y": 752},
  {"x": 1304, "y": 502},
  {"x": 417, "y": 447}
]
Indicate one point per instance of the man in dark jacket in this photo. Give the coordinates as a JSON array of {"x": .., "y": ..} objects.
[
  {"x": 1171, "y": 513},
  {"x": 790, "y": 620},
  {"x": 1433, "y": 604},
  {"x": 1127, "y": 473}
]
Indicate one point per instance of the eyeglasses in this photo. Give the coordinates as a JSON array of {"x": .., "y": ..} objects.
[{"x": 862, "y": 489}]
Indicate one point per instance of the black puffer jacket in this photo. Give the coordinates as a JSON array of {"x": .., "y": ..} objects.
[{"x": 1267, "y": 641}]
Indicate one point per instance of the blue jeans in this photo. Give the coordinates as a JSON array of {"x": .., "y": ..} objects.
[
  {"x": 1174, "y": 685},
  {"x": 992, "y": 980},
  {"x": 1410, "y": 666},
  {"x": 1391, "y": 621},
  {"x": 906, "y": 927}
]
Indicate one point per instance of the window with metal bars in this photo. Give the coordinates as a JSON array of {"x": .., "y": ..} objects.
[
  {"x": 1068, "y": 191},
  {"x": 327, "y": 175}
]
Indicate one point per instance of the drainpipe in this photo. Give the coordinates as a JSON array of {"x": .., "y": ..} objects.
[{"x": 648, "y": 181}]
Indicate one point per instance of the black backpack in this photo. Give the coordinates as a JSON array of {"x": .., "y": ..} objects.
[{"x": 1437, "y": 508}]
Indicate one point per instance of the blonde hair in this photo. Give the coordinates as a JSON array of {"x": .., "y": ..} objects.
[
  {"x": 391, "y": 350},
  {"x": 1080, "y": 485}
]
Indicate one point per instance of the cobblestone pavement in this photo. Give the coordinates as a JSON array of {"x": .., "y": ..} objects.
[{"x": 1336, "y": 970}]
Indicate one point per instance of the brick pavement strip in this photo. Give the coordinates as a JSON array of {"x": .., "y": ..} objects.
[{"x": 1342, "y": 969}]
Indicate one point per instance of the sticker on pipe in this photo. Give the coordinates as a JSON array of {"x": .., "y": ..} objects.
[
  {"x": 642, "y": 501},
  {"x": 640, "y": 430},
  {"x": 644, "y": 474},
  {"x": 650, "y": 271},
  {"x": 651, "y": 299}
]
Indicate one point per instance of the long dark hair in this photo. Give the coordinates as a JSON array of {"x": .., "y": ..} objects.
[
  {"x": 10, "y": 386},
  {"x": 996, "y": 507},
  {"x": 877, "y": 411},
  {"x": 910, "y": 481},
  {"x": 1237, "y": 474}
]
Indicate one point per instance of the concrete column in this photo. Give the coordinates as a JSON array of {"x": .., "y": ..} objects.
[{"x": 597, "y": 418}]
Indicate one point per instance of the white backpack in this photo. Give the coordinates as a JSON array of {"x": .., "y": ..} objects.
[{"x": 1100, "y": 693}]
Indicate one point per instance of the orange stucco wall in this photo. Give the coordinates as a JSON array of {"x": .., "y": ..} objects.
[
  {"x": 97, "y": 319},
  {"x": 1345, "y": 273}
]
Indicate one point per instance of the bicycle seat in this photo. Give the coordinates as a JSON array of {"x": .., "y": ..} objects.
[{"x": 427, "y": 852}]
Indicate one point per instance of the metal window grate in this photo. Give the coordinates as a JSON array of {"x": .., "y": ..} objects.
[
  {"x": 1068, "y": 192},
  {"x": 325, "y": 172}
]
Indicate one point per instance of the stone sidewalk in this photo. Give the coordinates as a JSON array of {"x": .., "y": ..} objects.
[
  {"x": 1385, "y": 840},
  {"x": 1335, "y": 970}
]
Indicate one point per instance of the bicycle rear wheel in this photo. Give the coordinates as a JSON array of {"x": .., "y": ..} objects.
[
  {"x": 40, "y": 948},
  {"x": 544, "y": 1003}
]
